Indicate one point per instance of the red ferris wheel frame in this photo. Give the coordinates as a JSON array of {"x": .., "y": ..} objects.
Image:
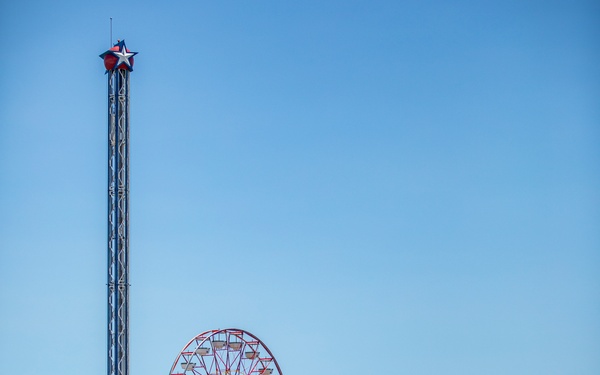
[{"x": 228, "y": 351}]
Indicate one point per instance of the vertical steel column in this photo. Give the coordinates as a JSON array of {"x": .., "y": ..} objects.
[{"x": 118, "y": 222}]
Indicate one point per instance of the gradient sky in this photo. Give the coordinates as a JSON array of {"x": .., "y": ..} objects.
[{"x": 383, "y": 187}]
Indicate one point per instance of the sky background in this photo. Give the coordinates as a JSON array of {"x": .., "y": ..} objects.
[{"x": 386, "y": 187}]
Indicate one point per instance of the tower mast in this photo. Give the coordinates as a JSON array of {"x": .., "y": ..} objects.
[{"x": 119, "y": 63}]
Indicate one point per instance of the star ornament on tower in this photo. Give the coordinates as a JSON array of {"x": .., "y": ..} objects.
[{"x": 118, "y": 57}]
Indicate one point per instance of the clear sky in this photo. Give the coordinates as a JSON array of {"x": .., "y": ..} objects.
[{"x": 385, "y": 187}]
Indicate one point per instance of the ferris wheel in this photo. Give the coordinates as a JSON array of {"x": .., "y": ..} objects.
[{"x": 225, "y": 352}]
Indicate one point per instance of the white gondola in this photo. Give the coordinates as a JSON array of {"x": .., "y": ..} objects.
[
  {"x": 218, "y": 344},
  {"x": 187, "y": 365},
  {"x": 235, "y": 345},
  {"x": 267, "y": 371},
  {"x": 251, "y": 355},
  {"x": 202, "y": 351}
]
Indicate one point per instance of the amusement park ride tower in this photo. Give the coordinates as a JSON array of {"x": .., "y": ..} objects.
[{"x": 118, "y": 61}]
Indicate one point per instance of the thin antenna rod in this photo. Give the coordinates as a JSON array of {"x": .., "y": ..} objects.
[{"x": 110, "y": 45}]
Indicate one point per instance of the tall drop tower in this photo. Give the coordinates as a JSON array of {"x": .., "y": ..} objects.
[{"x": 118, "y": 61}]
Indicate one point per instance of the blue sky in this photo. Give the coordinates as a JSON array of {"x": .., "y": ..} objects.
[{"x": 368, "y": 186}]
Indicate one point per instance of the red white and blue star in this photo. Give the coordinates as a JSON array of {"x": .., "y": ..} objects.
[{"x": 118, "y": 57}]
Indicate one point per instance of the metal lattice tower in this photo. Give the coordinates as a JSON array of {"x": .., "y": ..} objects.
[{"x": 118, "y": 62}]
